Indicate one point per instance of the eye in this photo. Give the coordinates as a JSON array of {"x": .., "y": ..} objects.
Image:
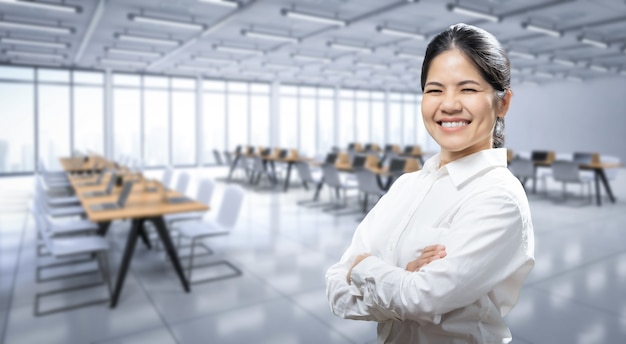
[
  {"x": 433, "y": 91},
  {"x": 468, "y": 90}
]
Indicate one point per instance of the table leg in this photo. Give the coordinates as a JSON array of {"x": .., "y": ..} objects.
[
  {"x": 607, "y": 186},
  {"x": 128, "y": 254},
  {"x": 288, "y": 175},
  {"x": 232, "y": 166},
  {"x": 144, "y": 237},
  {"x": 598, "y": 191},
  {"x": 103, "y": 228},
  {"x": 318, "y": 189},
  {"x": 164, "y": 234}
]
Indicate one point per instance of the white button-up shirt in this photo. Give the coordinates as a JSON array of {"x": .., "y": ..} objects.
[{"x": 479, "y": 211}]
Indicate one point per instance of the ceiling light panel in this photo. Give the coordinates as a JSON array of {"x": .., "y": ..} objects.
[
  {"x": 35, "y": 27},
  {"x": 148, "y": 40},
  {"x": 238, "y": 50},
  {"x": 356, "y": 48},
  {"x": 34, "y": 55},
  {"x": 204, "y": 59},
  {"x": 593, "y": 42},
  {"x": 313, "y": 18},
  {"x": 19, "y": 41},
  {"x": 400, "y": 33},
  {"x": 541, "y": 29},
  {"x": 274, "y": 37},
  {"x": 311, "y": 58},
  {"x": 123, "y": 62},
  {"x": 473, "y": 13},
  {"x": 164, "y": 22},
  {"x": 43, "y": 6},
  {"x": 133, "y": 52},
  {"x": 225, "y": 3}
]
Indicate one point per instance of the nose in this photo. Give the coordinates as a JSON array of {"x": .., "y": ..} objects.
[{"x": 450, "y": 103}]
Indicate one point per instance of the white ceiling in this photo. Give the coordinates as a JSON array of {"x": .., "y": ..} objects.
[{"x": 98, "y": 23}]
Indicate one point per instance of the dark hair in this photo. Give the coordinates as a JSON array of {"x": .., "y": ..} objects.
[{"x": 485, "y": 52}]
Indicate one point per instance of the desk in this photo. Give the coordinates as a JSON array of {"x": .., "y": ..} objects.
[
  {"x": 78, "y": 165},
  {"x": 599, "y": 176},
  {"x": 141, "y": 206},
  {"x": 272, "y": 159}
]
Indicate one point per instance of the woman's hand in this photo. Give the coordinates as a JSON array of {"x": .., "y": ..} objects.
[
  {"x": 357, "y": 260},
  {"x": 429, "y": 254}
]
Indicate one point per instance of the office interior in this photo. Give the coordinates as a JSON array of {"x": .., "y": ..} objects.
[{"x": 168, "y": 90}]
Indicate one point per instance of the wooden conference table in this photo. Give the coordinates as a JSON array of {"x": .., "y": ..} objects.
[
  {"x": 271, "y": 159},
  {"x": 146, "y": 202}
]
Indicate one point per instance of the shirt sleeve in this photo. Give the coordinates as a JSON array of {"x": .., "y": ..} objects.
[{"x": 489, "y": 254}]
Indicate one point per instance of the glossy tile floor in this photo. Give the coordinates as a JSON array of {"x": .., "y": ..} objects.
[{"x": 575, "y": 294}]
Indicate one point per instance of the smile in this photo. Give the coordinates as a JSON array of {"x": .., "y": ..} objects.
[{"x": 454, "y": 124}]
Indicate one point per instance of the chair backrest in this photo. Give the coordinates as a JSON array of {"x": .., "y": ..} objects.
[
  {"x": 367, "y": 181},
  {"x": 522, "y": 168},
  {"x": 330, "y": 158},
  {"x": 408, "y": 149},
  {"x": 182, "y": 183},
  {"x": 539, "y": 156},
  {"x": 231, "y": 206},
  {"x": 218, "y": 157},
  {"x": 42, "y": 228},
  {"x": 205, "y": 190},
  {"x": 166, "y": 180},
  {"x": 283, "y": 153},
  {"x": 397, "y": 165},
  {"x": 304, "y": 171},
  {"x": 331, "y": 176},
  {"x": 565, "y": 171},
  {"x": 228, "y": 157},
  {"x": 358, "y": 160}
]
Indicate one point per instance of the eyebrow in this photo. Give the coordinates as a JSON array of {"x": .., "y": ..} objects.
[{"x": 462, "y": 83}]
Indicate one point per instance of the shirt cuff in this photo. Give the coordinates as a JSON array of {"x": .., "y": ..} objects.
[{"x": 360, "y": 271}]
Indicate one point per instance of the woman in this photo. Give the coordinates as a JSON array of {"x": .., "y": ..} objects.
[{"x": 442, "y": 257}]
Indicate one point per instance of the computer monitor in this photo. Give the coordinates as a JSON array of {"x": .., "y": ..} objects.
[
  {"x": 266, "y": 152},
  {"x": 283, "y": 153},
  {"x": 250, "y": 150},
  {"x": 583, "y": 158},
  {"x": 358, "y": 161},
  {"x": 350, "y": 146},
  {"x": 397, "y": 165},
  {"x": 408, "y": 149},
  {"x": 331, "y": 158},
  {"x": 539, "y": 156}
]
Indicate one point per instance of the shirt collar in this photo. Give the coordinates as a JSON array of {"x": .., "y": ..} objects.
[{"x": 466, "y": 168}]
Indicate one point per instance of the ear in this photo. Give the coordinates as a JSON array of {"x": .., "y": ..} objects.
[{"x": 505, "y": 103}]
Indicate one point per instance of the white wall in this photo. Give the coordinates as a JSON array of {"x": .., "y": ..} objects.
[{"x": 569, "y": 116}]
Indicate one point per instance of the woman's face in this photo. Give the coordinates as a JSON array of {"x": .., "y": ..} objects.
[{"x": 459, "y": 107}]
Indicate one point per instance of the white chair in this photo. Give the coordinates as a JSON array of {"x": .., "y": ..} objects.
[
  {"x": 166, "y": 180},
  {"x": 55, "y": 199},
  {"x": 307, "y": 177},
  {"x": 182, "y": 183},
  {"x": 368, "y": 184},
  {"x": 60, "y": 211},
  {"x": 569, "y": 172},
  {"x": 223, "y": 223},
  {"x": 204, "y": 195},
  {"x": 523, "y": 169},
  {"x": 68, "y": 247},
  {"x": 334, "y": 181}
]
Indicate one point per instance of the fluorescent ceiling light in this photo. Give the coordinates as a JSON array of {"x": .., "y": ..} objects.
[
  {"x": 34, "y": 27},
  {"x": 196, "y": 69},
  {"x": 335, "y": 71},
  {"x": 311, "y": 58},
  {"x": 593, "y": 42},
  {"x": 551, "y": 32},
  {"x": 258, "y": 74},
  {"x": 133, "y": 52},
  {"x": 222, "y": 2},
  {"x": 527, "y": 56},
  {"x": 280, "y": 66},
  {"x": 473, "y": 13},
  {"x": 254, "y": 34},
  {"x": 43, "y": 5},
  {"x": 9, "y": 40},
  {"x": 399, "y": 33},
  {"x": 204, "y": 59},
  {"x": 143, "y": 39},
  {"x": 237, "y": 50},
  {"x": 123, "y": 62},
  {"x": 371, "y": 64},
  {"x": 409, "y": 55},
  {"x": 356, "y": 48},
  {"x": 544, "y": 75},
  {"x": 313, "y": 18},
  {"x": 564, "y": 62},
  {"x": 598, "y": 68},
  {"x": 164, "y": 22},
  {"x": 35, "y": 55}
]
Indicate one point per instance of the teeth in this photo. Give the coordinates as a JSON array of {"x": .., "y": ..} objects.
[{"x": 453, "y": 124}]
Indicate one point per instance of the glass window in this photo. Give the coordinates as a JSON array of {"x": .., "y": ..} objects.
[
  {"x": 126, "y": 123},
  {"x": 126, "y": 80},
  {"x": 183, "y": 84},
  {"x": 325, "y": 92},
  {"x": 378, "y": 123},
  {"x": 155, "y": 81},
  {"x": 363, "y": 94},
  {"x": 326, "y": 125},
  {"x": 288, "y": 90},
  {"x": 395, "y": 122},
  {"x": 409, "y": 124},
  {"x": 346, "y": 122},
  {"x": 307, "y": 91},
  {"x": 183, "y": 128},
  {"x": 92, "y": 78},
  {"x": 214, "y": 124},
  {"x": 378, "y": 95},
  {"x": 237, "y": 120},
  {"x": 16, "y": 73},
  {"x": 363, "y": 121},
  {"x": 260, "y": 120},
  {"x": 237, "y": 86},
  {"x": 288, "y": 127},
  {"x": 395, "y": 96},
  {"x": 308, "y": 120},
  {"x": 156, "y": 106},
  {"x": 53, "y": 75},
  {"x": 54, "y": 124},
  {"x": 346, "y": 94},
  {"x": 17, "y": 149},
  {"x": 213, "y": 85},
  {"x": 88, "y": 119},
  {"x": 259, "y": 88}
]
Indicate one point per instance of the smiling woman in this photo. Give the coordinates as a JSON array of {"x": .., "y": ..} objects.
[{"x": 442, "y": 256}]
